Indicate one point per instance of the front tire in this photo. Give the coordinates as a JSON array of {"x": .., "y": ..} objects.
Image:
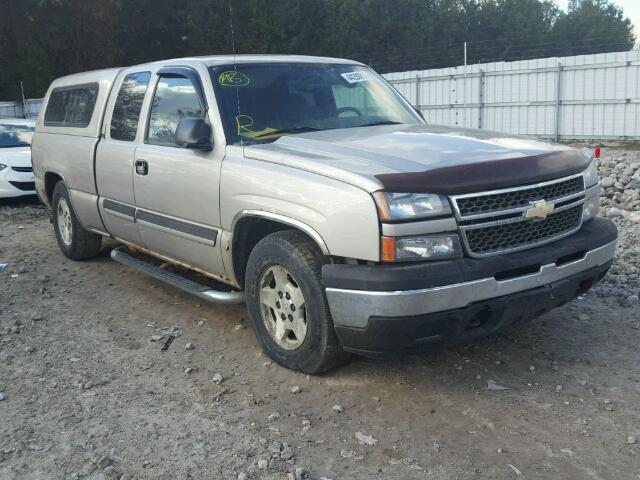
[
  {"x": 287, "y": 304},
  {"x": 74, "y": 241}
]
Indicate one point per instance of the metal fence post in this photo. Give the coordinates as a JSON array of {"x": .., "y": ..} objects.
[
  {"x": 480, "y": 97},
  {"x": 558, "y": 101},
  {"x": 418, "y": 93},
  {"x": 24, "y": 102}
]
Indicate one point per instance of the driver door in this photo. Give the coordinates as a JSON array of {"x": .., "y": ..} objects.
[{"x": 177, "y": 189}]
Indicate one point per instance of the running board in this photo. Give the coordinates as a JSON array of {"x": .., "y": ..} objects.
[{"x": 205, "y": 292}]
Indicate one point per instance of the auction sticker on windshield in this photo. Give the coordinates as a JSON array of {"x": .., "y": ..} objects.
[{"x": 355, "y": 77}]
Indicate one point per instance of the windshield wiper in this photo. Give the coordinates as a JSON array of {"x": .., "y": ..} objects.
[
  {"x": 375, "y": 124},
  {"x": 288, "y": 130}
]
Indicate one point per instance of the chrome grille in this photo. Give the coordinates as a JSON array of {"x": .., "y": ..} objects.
[
  {"x": 521, "y": 197},
  {"x": 494, "y": 222},
  {"x": 509, "y": 236}
]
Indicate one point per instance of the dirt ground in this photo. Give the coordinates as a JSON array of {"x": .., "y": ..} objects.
[{"x": 87, "y": 394}]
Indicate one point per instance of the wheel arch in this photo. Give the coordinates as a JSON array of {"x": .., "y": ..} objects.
[
  {"x": 50, "y": 181},
  {"x": 251, "y": 226}
]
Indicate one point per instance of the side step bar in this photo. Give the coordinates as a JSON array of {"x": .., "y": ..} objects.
[{"x": 205, "y": 292}]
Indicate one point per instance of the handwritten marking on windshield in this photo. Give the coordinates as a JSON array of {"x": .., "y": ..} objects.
[
  {"x": 244, "y": 122},
  {"x": 233, "y": 79}
]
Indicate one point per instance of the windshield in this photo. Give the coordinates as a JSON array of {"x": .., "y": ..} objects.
[
  {"x": 260, "y": 102},
  {"x": 15, "y": 135}
]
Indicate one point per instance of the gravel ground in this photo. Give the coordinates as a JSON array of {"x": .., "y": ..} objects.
[{"x": 86, "y": 393}]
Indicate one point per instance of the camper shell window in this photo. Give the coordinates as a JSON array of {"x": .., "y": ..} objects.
[{"x": 71, "y": 106}]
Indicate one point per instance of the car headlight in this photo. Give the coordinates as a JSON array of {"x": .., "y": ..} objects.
[
  {"x": 416, "y": 248},
  {"x": 406, "y": 206},
  {"x": 2, "y": 166},
  {"x": 591, "y": 174}
]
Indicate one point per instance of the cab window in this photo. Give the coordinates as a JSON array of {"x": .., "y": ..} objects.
[
  {"x": 126, "y": 111},
  {"x": 175, "y": 98}
]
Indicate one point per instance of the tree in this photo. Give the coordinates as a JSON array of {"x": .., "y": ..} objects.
[
  {"x": 593, "y": 26},
  {"x": 44, "y": 39}
]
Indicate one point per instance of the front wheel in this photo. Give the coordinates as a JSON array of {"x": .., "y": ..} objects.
[
  {"x": 74, "y": 241},
  {"x": 287, "y": 304}
]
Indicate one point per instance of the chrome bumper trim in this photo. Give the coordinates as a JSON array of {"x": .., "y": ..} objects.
[{"x": 353, "y": 308}]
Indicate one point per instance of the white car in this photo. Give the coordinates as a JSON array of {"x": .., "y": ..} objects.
[{"x": 16, "y": 172}]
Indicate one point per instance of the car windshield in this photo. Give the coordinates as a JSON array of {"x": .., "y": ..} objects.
[
  {"x": 15, "y": 135},
  {"x": 260, "y": 102}
]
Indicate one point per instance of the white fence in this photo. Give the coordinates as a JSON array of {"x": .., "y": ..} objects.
[
  {"x": 582, "y": 97},
  {"x": 30, "y": 108}
]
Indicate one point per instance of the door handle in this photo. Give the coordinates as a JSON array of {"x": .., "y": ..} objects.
[{"x": 142, "y": 167}]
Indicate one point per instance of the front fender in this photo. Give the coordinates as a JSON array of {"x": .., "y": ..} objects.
[{"x": 341, "y": 218}]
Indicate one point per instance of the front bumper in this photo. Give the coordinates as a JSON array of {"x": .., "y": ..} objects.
[
  {"x": 423, "y": 306},
  {"x": 15, "y": 184}
]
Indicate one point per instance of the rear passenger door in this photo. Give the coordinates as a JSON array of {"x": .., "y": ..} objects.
[
  {"x": 177, "y": 189},
  {"x": 115, "y": 156}
]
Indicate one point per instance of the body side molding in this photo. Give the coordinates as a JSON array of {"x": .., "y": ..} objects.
[
  {"x": 183, "y": 228},
  {"x": 121, "y": 208}
]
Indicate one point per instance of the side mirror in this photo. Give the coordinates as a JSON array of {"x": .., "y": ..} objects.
[{"x": 194, "y": 133}]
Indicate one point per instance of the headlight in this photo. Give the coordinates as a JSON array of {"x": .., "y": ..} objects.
[
  {"x": 407, "y": 249},
  {"x": 405, "y": 206},
  {"x": 2, "y": 166},
  {"x": 591, "y": 174}
]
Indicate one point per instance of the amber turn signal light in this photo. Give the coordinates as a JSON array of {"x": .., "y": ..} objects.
[{"x": 388, "y": 249}]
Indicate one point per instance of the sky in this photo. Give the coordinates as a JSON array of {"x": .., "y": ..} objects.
[{"x": 631, "y": 9}]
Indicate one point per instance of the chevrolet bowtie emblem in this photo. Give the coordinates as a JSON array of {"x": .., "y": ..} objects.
[{"x": 540, "y": 209}]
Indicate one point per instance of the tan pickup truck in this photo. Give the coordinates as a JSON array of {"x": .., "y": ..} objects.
[{"x": 310, "y": 189}]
